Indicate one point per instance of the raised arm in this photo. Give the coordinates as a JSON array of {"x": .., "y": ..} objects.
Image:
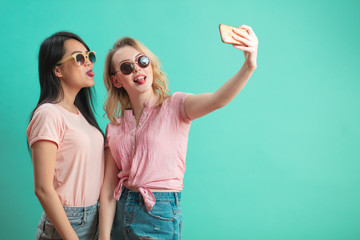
[
  {"x": 44, "y": 158},
  {"x": 107, "y": 201},
  {"x": 201, "y": 104}
]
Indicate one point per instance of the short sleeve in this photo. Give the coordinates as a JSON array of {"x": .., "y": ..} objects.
[
  {"x": 46, "y": 124},
  {"x": 112, "y": 131},
  {"x": 178, "y": 104}
]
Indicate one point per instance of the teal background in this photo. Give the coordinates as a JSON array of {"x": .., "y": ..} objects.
[{"x": 281, "y": 161}]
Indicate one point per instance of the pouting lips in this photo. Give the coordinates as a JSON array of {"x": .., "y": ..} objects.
[{"x": 90, "y": 73}]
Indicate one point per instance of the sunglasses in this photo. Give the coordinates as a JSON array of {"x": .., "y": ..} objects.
[
  {"x": 127, "y": 67},
  {"x": 80, "y": 58}
]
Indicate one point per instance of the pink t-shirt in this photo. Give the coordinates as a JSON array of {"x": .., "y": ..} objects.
[
  {"x": 152, "y": 154},
  {"x": 79, "y": 167}
]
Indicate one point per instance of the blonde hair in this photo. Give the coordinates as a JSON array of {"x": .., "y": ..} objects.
[{"x": 117, "y": 99}]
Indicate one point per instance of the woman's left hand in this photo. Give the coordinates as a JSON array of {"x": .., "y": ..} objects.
[{"x": 250, "y": 41}]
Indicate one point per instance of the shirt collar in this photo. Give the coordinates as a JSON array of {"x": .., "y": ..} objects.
[{"x": 148, "y": 104}]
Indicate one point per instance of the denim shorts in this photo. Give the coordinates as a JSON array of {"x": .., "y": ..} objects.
[
  {"x": 133, "y": 220},
  {"x": 84, "y": 221}
]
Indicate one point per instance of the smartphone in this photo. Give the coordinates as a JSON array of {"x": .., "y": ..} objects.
[{"x": 226, "y": 33}]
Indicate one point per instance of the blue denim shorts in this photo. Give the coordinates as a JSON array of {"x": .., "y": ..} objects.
[
  {"x": 84, "y": 220},
  {"x": 133, "y": 220}
]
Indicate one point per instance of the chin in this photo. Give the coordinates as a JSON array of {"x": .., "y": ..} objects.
[{"x": 88, "y": 84}]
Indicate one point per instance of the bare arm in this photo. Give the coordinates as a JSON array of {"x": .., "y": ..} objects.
[
  {"x": 199, "y": 105},
  {"x": 44, "y": 158},
  {"x": 107, "y": 201}
]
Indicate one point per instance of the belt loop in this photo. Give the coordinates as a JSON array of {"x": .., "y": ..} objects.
[
  {"x": 84, "y": 217},
  {"x": 176, "y": 199}
]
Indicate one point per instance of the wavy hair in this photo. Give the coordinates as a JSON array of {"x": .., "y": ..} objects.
[{"x": 117, "y": 99}]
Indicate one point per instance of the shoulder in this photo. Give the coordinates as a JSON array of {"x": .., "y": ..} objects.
[
  {"x": 46, "y": 124},
  {"x": 176, "y": 105},
  {"x": 113, "y": 127},
  {"x": 47, "y": 109},
  {"x": 177, "y": 95},
  {"x": 177, "y": 98},
  {"x": 47, "y": 113},
  {"x": 115, "y": 124}
]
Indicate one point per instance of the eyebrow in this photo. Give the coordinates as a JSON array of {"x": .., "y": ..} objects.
[
  {"x": 79, "y": 52},
  {"x": 129, "y": 59}
]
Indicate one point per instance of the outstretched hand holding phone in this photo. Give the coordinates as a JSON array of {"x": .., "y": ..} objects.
[{"x": 242, "y": 38}]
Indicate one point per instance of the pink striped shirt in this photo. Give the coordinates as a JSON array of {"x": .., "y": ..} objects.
[{"x": 152, "y": 154}]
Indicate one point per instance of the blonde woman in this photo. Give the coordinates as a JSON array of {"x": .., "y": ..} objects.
[{"x": 146, "y": 139}]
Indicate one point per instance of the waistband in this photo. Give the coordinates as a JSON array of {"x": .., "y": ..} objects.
[
  {"x": 77, "y": 212},
  {"x": 138, "y": 197},
  {"x": 159, "y": 196}
]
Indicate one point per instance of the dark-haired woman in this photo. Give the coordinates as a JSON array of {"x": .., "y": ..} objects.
[{"x": 66, "y": 141}]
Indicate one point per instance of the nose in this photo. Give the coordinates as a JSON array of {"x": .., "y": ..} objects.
[
  {"x": 136, "y": 68},
  {"x": 87, "y": 61}
]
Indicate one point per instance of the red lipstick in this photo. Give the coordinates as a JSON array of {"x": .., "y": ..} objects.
[{"x": 90, "y": 73}]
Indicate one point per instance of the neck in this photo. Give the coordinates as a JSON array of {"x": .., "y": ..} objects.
[
  {"x": 68, "y": 102},
  {"x": 138, "y": 101}
]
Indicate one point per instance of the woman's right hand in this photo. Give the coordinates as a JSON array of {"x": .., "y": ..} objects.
[
  {"x": 251, "y": 42},
  {"x": 44, "y": 158}
]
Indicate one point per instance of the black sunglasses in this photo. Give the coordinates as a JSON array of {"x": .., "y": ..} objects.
[{"x": 127, "y": 67}]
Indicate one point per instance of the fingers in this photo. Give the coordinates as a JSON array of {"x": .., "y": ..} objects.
[
  {"x": 242, "y": 32},
  {"x": 249, "y": 29},
  {"x": 242, "y": 40},
  {"x": 244, "y": 48},
  {"x": 245, "y": 35},
  {"x": 248, "y": 34}
]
